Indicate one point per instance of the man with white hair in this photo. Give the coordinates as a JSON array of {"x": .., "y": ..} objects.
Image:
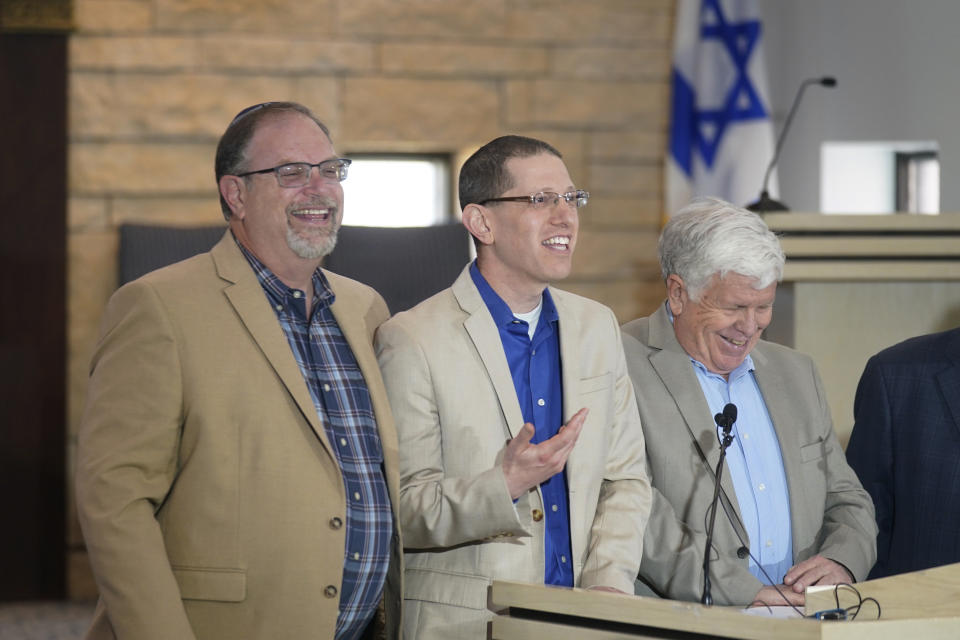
[{"x": 793, "y": 512}]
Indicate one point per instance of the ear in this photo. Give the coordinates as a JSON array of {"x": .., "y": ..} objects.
[
  {"x": 477, "y": 221},
  {"x": 234, "y": 191},
  {"x": 676, "y": 294}
]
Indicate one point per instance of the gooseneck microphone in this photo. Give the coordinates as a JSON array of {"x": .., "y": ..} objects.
[
  {"x": 766, "y": 203},
  {"x": 724, "y": 421}
]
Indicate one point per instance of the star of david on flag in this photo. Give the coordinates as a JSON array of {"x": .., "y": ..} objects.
[{"x": 721, "y": 134}]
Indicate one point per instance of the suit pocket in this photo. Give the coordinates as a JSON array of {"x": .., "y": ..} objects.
[
  {"x": 443, "y": 587},
  {"x": 221, "y": 585},
  {"x": 596, "y": 383},
  {"x": 813, "y": 451}
]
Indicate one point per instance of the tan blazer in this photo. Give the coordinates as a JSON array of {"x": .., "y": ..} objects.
[
  {"x": 830, "y": 512},
  {"x": 455, "y": 405},
  {"x": 207, "y": 491}
]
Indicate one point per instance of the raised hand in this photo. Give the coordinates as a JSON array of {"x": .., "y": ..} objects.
[{"x": 525, "y": 465}]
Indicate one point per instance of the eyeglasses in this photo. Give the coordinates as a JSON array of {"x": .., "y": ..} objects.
[
  {"x": 544, "y": 199},
  {"x": 297, "y": 174}
]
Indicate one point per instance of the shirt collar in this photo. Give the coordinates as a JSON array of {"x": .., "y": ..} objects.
[
  {"x": 502, "y": 315},
  {"x": 322, "y": 293}
]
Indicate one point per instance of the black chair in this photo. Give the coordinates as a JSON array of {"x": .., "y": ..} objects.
[
  {"x": 405, "y": 264},
  {"x": 146, "y": 247}
]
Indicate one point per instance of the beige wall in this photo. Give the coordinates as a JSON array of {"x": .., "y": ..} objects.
[{"x": 153, "y": 83}]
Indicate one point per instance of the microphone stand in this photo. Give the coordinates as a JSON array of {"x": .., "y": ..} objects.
[
  {"x": 765, "y": 203},
  {"x": 725, "y": 421}
]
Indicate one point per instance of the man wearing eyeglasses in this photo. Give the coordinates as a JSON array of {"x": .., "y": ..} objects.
[
  {"x": 521, "y": 451},
  {"x": 237, "y": 460}
]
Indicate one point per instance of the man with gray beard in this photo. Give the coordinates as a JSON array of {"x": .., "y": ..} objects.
[{"x": 237, "y": 459}]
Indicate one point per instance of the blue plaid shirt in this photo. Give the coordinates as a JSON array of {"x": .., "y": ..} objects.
[{"x": 343, "y": 405}]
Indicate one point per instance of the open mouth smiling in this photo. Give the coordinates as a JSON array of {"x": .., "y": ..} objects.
[{"x": 561, "y": 243}]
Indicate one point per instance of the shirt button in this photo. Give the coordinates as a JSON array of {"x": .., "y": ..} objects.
[
  {"x": 554, "y": 508},
  {"x": 563, "y": 559},
  {"x": 326, "y": 387},
  {"x": 356, "y": 495},
  {"x": 330, "y": 591},
  {"x": 761, "y": 486},
  {"x": 746, "y": 436},
  {"x": 343, "y": 442},
  {"x": 297, "y": 294},
  {"x": 769, "y": 543},
  {"x": 541, "y": 402},
  {"x": 279, "y": 307},
  {"x": 356, "y": 555},
  {"x": 537, "y": 515},
  {"x": 533, "y": 352},
  {"x": 336, "y": 522}
]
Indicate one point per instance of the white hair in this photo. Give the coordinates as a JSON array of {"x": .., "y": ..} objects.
[{"x": 711, "y": 236}]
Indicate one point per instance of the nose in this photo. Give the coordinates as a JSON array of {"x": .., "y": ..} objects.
[
  {"x": 564, "y": 212},
  {"x": 747, "y": 322}
]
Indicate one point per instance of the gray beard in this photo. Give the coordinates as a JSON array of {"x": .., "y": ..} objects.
[{"x": 311, "y": 248}]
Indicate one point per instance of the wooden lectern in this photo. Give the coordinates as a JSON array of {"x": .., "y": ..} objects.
[{"x": 924, "y": 605}]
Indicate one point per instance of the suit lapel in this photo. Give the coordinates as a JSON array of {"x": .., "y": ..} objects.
[
  {"x": 673, "y": 366},
  {"x": 357, "y": 326},
  {"x": 483, "y": 332},
  {"x": 248, "y": 299},
  {"x": 570, "y": 371},
  {"x": 777, "y": 395},
  {"x": 949, "y": 378},
  {"x": 569, "y": 326}
]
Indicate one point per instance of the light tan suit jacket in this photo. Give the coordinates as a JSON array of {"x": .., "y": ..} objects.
[
  {"x": 210, "y": 500},
  {"x": 454, "y": 401},
  {"x": 831, "y": 514}
]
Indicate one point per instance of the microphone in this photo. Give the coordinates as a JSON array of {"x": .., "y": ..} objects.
[
  {"x": 725, "y": 421},
  {"x": 766, "y": 203}
]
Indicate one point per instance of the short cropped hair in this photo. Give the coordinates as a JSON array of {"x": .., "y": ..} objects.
[
  {"x": 231, "y": 150},
  {"x": 710, "y": 236},
  {"x": 484, "y": 174}
]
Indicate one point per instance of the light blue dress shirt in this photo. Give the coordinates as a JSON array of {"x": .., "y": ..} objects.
[{"x": 756, "y": 468}]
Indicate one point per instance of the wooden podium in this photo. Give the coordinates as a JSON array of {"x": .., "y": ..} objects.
[{"x": 924, "y": 605}]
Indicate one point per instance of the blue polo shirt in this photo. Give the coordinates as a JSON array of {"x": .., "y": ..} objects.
[{"x": 535, "y": 368}]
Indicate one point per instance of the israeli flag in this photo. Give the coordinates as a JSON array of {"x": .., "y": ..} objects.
[{"x": 721, "y": 135}]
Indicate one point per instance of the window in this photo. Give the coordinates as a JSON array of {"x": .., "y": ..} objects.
[
  {"x": 918, "y": 182},
  {"x": 879, "y": 177},
  {"x": 398, "y": 190}
]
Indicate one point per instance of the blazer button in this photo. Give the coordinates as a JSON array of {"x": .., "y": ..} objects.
[
  {"x": 743, "y": 552},
  {"x": 335, "y": 522},
  {"x": 330, "y": 591},
  {"x": 537, "y": 515}
]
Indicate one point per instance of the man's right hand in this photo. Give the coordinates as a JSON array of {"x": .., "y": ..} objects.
[
  {"x": 525, "y": 465},
  {"x": 769, "y": 596}
]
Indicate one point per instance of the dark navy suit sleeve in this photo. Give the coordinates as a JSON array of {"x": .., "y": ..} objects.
[{"x": 870, "y": 453}]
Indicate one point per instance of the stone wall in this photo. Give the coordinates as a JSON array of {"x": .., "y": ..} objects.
[{"x": 153, "y": 83}]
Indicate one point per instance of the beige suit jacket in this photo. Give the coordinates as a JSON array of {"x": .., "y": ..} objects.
[
  {"x": 454, "y": 401},
  {"x": 209, "y": 497},
  {"x": 831, "y": 514}
]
